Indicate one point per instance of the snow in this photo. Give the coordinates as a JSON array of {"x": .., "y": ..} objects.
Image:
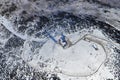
[
  {"x": 8, "y": 25},
  {"x": 79, "y": 60}
]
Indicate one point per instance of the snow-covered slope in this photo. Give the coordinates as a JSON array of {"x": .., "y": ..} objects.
[{"x": 28, "y": 53}]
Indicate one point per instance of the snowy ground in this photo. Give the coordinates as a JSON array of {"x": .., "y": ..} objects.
[
  {"x": 27, "y": 53},
  {"x": 84, "y": 59}
]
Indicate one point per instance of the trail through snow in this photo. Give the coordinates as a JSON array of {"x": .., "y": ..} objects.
[
  {"x": 80, "y": 60},
  {"x": 8, "y": 25},
  {"x": 84, "y": 58}
]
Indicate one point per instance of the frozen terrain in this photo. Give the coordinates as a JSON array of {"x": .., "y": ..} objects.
[{"x": 27, "y": 52}]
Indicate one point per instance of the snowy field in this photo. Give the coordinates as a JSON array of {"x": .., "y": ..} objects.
[{"x": 30, "y": 34}]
